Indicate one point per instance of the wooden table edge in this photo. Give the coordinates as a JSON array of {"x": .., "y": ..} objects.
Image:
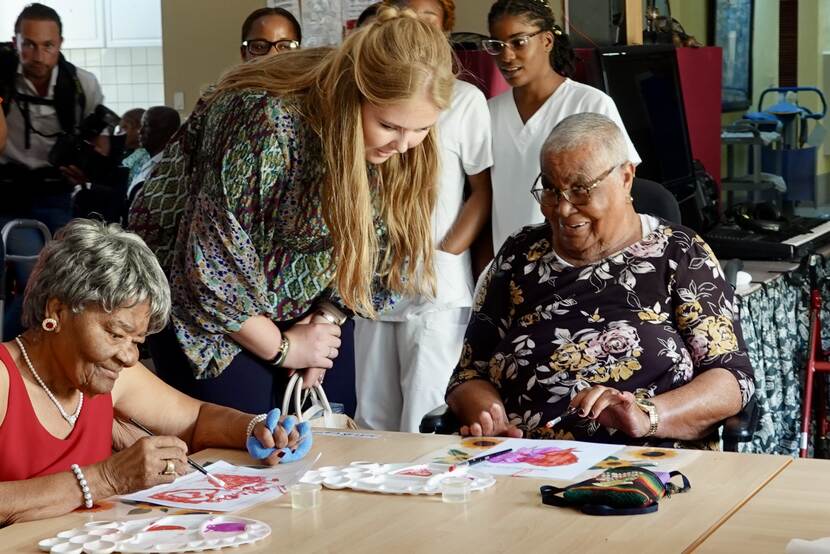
[{"x": 724, "y": 518}]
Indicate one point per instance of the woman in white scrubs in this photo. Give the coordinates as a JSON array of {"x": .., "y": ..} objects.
[
  {"x": 403, "y": 359},
  {"x": 536, "y": 59}
]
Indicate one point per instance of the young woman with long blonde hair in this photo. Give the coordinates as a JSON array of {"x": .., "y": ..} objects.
[
  {"x": 303, "y": 177},
  {"x": 404, "y": 357}
]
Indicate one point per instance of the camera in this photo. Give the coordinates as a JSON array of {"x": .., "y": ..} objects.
[{"x": 76, "y": 148}]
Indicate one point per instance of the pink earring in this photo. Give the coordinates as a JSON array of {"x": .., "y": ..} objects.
[{"x": 49, "y": 324}]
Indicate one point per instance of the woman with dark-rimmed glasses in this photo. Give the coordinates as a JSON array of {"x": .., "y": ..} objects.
[
  {"x": 269, "y": 31},
  {"x": 536, "y": 59}
]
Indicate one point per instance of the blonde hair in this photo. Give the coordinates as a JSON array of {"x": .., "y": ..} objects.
[
  {"x": 448, "y": 6},
  {"x": 392, "y": 59}
]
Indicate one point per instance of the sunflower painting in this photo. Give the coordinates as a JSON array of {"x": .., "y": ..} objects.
[{"x": 613, "y": 462}]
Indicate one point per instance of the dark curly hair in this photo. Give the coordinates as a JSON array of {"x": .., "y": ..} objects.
[{"x": 538, "y": 12}]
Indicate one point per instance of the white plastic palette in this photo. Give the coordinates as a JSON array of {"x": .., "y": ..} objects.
[
  {"x": 187, "y": 533},
  {"x": 393, "y": 478}
]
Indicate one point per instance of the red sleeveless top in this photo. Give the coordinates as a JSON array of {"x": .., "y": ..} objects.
[{"x": 28, "y": 450}]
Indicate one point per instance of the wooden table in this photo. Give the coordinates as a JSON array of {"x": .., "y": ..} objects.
[
  {"x": 506, "y": 518},
  {"x": 793, "y": 505}
]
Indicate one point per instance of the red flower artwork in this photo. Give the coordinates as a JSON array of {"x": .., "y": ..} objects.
[
  {"x": 238, "y": 486},
  {"x": 548, "y": 456}
]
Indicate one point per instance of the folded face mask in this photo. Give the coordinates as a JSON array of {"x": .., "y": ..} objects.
[{"x": 625, "y": 490}]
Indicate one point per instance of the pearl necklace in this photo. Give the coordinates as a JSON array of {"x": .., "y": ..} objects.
[{"x": 70, "y": 418}]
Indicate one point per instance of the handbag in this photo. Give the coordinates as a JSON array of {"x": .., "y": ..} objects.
[
  {"x": 319, "y": 412},
  {"x": 626, "y": 490}
]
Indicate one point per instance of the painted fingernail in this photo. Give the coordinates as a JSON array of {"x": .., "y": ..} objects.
[
  {"x": 281, "y": 453},
  {"x": 583, "y": 413}
]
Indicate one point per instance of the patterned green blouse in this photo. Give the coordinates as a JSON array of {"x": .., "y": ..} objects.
[
  {"x": 234, "y": 214},
  {"x": 646, "y": 320}
]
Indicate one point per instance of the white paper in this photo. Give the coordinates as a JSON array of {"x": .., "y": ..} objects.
[
  {"x": 246, "y": 487},
  {"x": 353, "y": 8},
  {"x": 292, "y": 6},
  {"x": 545, "y": 459},
  {"x": 801, "y": 546},
  {"x": 322, "y": 22},
  {"x": 347, "y": 434}
]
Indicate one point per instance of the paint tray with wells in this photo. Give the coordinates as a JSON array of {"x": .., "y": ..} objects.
[
  {"x": 177, "y": 533},
  {"x": 404, "y": 478}
]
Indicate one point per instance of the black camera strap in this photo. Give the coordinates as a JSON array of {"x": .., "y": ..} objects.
[
  {"x": 68, "y": 94},
  {"x": 23, "y": 101}
]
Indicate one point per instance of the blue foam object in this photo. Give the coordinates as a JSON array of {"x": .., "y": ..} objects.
[{"x": 259, "y": 452}]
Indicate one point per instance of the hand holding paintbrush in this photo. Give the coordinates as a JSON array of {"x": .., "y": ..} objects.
[
  {"x": 215, "y": 480},
  {"x": 555, "y": 421}
]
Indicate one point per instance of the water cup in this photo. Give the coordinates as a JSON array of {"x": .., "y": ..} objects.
[
  {"x": 304, "y": 495},
  {"x": 455, "y": 490}
]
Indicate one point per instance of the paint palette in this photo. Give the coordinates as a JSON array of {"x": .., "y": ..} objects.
[
  {"x": 393, "y": 478},
  {"x": 187, "y": 533}
]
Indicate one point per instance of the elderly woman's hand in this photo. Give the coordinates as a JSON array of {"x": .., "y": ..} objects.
[
  {"x": 491, "y": 422},
  {"x": 279, "y": 439},
  {"x": 149, "y": 462},
  {"x": 612, "y": 408}
]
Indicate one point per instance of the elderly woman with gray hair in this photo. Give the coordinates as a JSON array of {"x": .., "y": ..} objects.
[
  {"x": 69, "y": 382},
  {"x": 618, "y": 321}
]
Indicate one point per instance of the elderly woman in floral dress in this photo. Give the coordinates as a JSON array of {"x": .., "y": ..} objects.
[{"x": 619, "y": 321}]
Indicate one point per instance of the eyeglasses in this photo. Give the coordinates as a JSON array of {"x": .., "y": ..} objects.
[
  {"x": 260, "y": 47},
  {"x": 496, "y": 47},
  {"x": 578, "y": 195}
]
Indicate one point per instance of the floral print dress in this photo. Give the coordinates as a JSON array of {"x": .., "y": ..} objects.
[{"x": 647, "y": 319}]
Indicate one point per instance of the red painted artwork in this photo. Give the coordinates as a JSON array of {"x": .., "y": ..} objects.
[
  {"x": 546, "y": 456},
  {"x": 238, "y": 486}
]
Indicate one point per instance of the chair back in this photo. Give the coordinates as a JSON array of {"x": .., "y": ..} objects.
[
  {"x": 650, "y": 197},
  {"x": 22, "y": 241}
]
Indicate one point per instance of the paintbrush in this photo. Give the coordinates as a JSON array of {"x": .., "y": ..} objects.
[
  {"x": 479, "y": 459},
  {"x": 215, "y": 480},
  {"x": 556, "y": 420}
]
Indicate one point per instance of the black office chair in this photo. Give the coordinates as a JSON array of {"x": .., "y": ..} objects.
[
  {"x": 650, "y": 197},
  {"x": 654, "y": 199}
]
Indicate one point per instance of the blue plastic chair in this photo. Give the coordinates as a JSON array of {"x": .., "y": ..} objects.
[{"x": 22, "y": 241}]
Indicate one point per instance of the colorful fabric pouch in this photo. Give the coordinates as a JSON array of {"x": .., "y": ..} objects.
[{"x": 624, "y": 490}]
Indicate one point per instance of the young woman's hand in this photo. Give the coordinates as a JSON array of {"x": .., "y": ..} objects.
[{"x": 313, "y": 343}]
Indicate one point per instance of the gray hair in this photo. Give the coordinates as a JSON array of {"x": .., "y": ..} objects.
[
  {"x": 587, "y": 130},
  {"x": 93, "y": 263}
]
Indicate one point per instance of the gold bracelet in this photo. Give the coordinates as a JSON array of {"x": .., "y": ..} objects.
[{"x": 282, "y": 354}]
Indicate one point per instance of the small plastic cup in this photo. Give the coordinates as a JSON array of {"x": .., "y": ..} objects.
[
  {"x": 455, "y": 490},
  {"x": 304, "y": 495}
]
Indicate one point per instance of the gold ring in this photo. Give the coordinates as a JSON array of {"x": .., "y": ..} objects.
[
  {"x": 328, "y": 317},
  {"x": 170, "y": 468}
]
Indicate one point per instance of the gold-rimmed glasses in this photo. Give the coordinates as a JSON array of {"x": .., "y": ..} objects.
[{"x": 578, "y": 195}]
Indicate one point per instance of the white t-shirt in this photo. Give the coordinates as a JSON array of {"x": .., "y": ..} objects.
[
  {"x": 43, "y": 118},
  {"x": 517, "y": 147},
  {"x": 466, "y": 149}
]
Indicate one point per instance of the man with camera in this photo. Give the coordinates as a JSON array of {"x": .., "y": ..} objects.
[{"x": 46, "y": 101}]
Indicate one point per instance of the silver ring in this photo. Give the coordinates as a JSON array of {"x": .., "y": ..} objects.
[{"x": 170, "y": 468}]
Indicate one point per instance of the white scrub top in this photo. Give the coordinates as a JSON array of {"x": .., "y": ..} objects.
[{"x": 517, "y": 146}]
